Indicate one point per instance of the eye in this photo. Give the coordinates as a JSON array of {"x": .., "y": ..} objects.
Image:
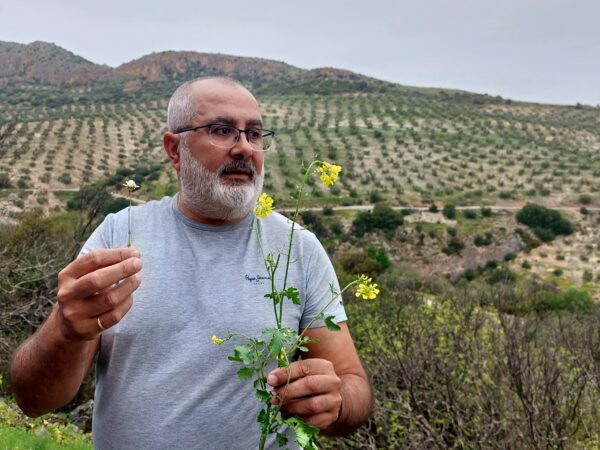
[
  {"x": 254, "y": 135},
  {"x": 221, "y": 130}
]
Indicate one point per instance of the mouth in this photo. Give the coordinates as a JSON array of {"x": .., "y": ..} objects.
[{"x": 237, "y": 174}]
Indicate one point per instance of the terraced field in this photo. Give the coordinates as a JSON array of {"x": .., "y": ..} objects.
[{"x": 408, "y": 147}]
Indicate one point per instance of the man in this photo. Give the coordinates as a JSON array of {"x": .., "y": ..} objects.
[{"x": 161, "y": 383}]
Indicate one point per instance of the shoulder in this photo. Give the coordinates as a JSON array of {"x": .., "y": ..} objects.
[{"x": 146, "y": 209}]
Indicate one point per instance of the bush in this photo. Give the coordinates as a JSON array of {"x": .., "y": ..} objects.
[
  {"x": 509, "y": 256},
  {"x": 328, "y": 211},
  {"x": 585, "y": 199},
  {"x": 526, "y": 265},
  {"x": 481, "y": 241},
  {"x": 382, "y": 218},
  {"x": 449, "y": 211},
  {"x": 469, "y": 214},
  {"x": 433, "y": 208},
  {"x": 380, "y": 255},
  {"x": 570, "y": 300},
  {"x": 588, "y": 276},
  {"x": 545, "y": 223},
  {"x": 5, "y": 181},
  {"x": 502, "y": 275},
  {"x": 486, "y": 212},
  {"x": 313, "y": 223},
  {"x": 455, "y": 245}
]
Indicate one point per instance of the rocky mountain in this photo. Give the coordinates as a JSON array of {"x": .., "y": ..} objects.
[{"x": 47, "y": 63}]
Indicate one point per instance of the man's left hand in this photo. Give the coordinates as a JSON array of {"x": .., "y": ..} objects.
[{"x": 313, "y": 392}]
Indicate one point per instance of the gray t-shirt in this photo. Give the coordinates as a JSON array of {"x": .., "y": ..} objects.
[{"x": 160, "y": 381}]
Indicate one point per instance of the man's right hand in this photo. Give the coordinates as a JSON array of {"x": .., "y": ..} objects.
[{"x": 97, "y": 286}]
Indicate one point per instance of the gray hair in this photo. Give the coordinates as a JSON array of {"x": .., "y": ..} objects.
[{"x": 181, "y": 110}]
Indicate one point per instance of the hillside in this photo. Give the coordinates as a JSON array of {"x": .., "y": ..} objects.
[
  {"x": 45, "y": 63},
  {"x": 404, "y": 145}
]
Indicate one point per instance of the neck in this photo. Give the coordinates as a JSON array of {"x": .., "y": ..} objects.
[{"x": 187, "y": 212}]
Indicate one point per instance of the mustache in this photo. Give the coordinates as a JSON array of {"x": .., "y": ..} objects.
[{"x": 236, "y": 165}]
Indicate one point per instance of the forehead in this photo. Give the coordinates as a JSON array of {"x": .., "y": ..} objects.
[{"x": 214, "y": 98}]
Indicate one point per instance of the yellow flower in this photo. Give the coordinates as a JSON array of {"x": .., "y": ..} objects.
[
  {"x": 217, "y": 340},
  {"x": 264, "y": 207},
  {"x": 366, "y": 288},
  {"x": 329, "y": 173},
  {"x": 130, "y": 185}
]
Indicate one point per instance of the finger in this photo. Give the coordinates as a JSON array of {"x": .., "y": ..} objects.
[
  {"x": 312, "y": 406},
  {"x": 114, "y": 316},
  {"x": 300, "y": 369},
  {"x": 111, "y": 298},
  {"x": 312, "y": 385},
  {"x": 101, "y": 279},
  {"x": 97, "y": 259},
  {"x": 321, "y": 421}
]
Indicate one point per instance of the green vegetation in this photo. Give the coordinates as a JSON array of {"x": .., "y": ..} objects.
[
  {"x": 382, "y": 218},
  {"x": 545, "y": 223}
]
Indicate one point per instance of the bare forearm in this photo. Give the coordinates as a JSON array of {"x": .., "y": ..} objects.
[
  {"x": 357, "y": 405},
  {"x": 47, "y": 370}
]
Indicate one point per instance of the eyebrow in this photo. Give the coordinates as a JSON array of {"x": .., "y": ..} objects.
[{"x": 227, "y": 120}]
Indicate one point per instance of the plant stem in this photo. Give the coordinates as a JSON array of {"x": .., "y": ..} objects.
[
  {"x": 294, "y": 218},
  {"x": 129, "y": 224}
]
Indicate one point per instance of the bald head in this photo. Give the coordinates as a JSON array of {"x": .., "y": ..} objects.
[{"x": 182, "y": 105}]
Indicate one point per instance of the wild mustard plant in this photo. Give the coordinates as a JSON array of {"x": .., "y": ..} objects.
[
  {"x": 280, "y": 343},
  {"x": 130, "y": 186}
]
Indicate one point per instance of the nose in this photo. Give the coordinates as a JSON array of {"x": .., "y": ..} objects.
[{"x": 242, "y": 148}]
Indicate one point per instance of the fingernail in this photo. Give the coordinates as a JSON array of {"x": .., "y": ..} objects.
[
  {"x": 137, "y": 263},
  {"x": 272, "y": 380}
]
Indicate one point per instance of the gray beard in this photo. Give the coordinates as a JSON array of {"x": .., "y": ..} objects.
[{"x": 205, "y": 195}]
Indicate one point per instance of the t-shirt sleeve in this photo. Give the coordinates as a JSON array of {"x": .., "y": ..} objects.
[
  {"x": 100, "y": 238},
  {"x": 321, "y": 286}
]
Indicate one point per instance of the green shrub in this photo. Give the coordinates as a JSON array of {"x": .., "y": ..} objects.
[
  {"x": 570, "y": 300},
  {"x": 5, "y": 181},
  {"x": 470, "y": 214},
  {"x": 382, "y": 218},
  {"x": 588, "y": 276},
  {"x": 449, "y": 211},
  {"x": 502, "y": 275},
  {"x": 433, "y": 208},
  {"x": 546, "y": 223},
  {"x": 486, "y": 212},
  {"x": 526, "y": 265},
  {"x": 455, "y": 245},
  {"x": 483, "y": 240},
  {"x": 380, "y": 255}
]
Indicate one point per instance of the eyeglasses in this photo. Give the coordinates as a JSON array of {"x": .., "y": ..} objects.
[{"x": 226, "y": 136}]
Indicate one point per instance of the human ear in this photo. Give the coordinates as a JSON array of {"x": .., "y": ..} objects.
[{"x": 171, "y": 145}]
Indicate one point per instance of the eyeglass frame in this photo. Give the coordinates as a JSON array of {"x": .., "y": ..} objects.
[{"x": 240, "y": 131}]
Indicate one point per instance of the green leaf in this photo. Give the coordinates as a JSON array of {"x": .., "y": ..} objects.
[
  {"x": 293, "y": 294},
  {"x": 281, "y": 439},
  {"x": 276, "y": 343},
  {"x": 263, "y": 419},
  {"x": 263, "y": 396},
  {"x": 302, "y": 348},
  {"x": 245, "y": 372},
  {"x": 331, "y": 324},
  {"x": 303, "y": 432},
  {"x": 241, "y": 353}
]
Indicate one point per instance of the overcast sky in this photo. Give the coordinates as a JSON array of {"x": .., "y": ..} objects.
[{"x": 538, "y": 50}]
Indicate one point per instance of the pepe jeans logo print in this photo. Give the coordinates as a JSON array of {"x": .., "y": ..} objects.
[{"x": 256, "y": 279}]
